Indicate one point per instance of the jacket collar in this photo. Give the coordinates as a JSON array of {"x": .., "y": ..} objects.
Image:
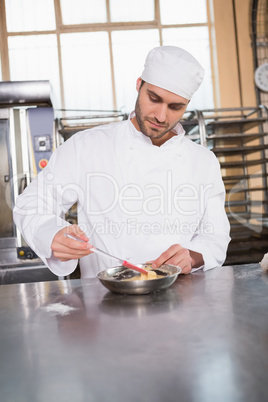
[{"x": 139, "y": 136}]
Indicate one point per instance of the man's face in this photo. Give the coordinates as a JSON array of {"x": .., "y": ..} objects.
[{"x": 157, "y": 112}]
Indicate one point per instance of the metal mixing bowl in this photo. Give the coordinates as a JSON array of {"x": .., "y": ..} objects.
[{"x": 112, "y": 280}]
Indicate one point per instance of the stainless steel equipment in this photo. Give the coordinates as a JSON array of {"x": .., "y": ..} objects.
[
  {"x": 68, "y": 124},
  {"x": 26, "y": 143},
  {"x": 203, "y": 339},
  {"x": 122, "y": 280}
]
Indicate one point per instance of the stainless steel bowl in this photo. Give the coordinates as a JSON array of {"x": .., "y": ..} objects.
[{"x": 110, "y": 278}]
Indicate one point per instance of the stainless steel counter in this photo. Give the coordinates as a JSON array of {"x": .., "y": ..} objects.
[
  {"x": 25, "y": 273},
  {"x": 203, "y": 339}
]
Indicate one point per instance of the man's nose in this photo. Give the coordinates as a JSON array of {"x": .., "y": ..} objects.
[{"x": 161, "y": 113}]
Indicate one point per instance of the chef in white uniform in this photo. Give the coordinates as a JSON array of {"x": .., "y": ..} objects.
[{"x": 144, "y": 192}]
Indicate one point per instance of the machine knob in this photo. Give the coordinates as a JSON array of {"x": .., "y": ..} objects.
[
  {"x": 26, "y": 253},
  {"x": 29, "y": 255}
]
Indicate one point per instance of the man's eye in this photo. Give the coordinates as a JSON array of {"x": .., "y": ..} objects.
[
  {"x": 153, "y": 99},
  {"x": 175, "y": 107}
]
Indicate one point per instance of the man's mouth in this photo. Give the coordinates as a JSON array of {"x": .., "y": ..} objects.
[{"x": 156, "y": 125}]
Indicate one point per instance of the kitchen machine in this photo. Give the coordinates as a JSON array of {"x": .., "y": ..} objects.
[{"x": 27, "y": 139}]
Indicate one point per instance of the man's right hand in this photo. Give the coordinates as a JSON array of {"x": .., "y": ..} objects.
[{"x": 66, "y": 249}]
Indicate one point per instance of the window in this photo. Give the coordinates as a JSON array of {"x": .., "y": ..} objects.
[
  {"x": 94, "y": 52},
  {"x": 129, "y": 51},
  {"x": 196, "y": 41},
  {"x": 138, "y": 10},
  {"x": 30, "y": 15},
  {"x": 183, "y": 12},
  {"x": 86, "y": 70},
  {"x": 34, "y": 57},
  {"x": 84, "y": 11}
]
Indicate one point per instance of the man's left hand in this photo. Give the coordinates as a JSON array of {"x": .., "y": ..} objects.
[{"x": 180, "y": 256}]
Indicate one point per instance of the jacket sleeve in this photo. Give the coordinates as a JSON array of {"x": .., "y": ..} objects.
[
  {"x": 213, "y": 237},
  {"x": 39, "y": 210},
  {"x": 213, "y": 234}
]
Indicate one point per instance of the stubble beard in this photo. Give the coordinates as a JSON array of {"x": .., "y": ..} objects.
[{"x": 143, "y": 128}]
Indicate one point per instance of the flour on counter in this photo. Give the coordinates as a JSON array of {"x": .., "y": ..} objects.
[{"x": 58, "y": 309}]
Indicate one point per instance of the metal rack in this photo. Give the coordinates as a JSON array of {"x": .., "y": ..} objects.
[
  {"x": 259, "y": 40},
  {"x": 68, "y": 123},
  {"x": 239, "y": 138}
]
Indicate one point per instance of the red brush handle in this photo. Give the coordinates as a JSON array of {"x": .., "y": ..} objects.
[{"x": 134, "y": 267}]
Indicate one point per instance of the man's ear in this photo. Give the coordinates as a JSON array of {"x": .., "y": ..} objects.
[{"x": 138, "y": 84}]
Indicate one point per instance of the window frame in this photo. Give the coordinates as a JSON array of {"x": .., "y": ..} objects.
[{"x": 93, "y": 27}]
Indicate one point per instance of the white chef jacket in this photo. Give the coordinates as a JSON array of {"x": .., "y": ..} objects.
[{"x": 134, "y": 199}]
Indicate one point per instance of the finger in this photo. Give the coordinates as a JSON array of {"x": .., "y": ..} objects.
[
  {"x": 183, "y": 260},
  {"x": 69, "y": 256},
  {"x": 186, "y": 270},
  {"x": 65, "y": 251},
  {"x": 176, "y": 255},
  {"x": 75, "y": 230},
  {"x": 70, "y": 246},
  {"x": 167, "y": 255},
  {"x": 185, "y": 265},
  {"x": 70, "y": 252},
  {"x": 62, "y": 239},
  {"x": 76, "y": 244}
]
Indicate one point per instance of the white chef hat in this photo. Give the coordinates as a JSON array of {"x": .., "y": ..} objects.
[{"x": 173, "y": 69}]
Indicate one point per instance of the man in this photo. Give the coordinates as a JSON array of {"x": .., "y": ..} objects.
[{"x": 144, "y": 192}]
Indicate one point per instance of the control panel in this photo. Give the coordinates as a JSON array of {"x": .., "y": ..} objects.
[
  {"x": 26, "y": 253},
  {"x": 41, "y": 122},
  {"x": 42, "y": 143}
]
